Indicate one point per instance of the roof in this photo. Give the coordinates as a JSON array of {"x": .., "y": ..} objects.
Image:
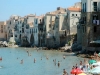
[{"x": 74, "y": 9}]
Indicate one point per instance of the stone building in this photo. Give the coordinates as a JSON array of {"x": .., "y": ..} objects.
[
  {"x": 60, "y": 29},
  {"x": 73, "y": 17},
  {"x": 3, "y": 33},
  {"x": 90, "y": 22},
  {"x": 49, "y": 23}
]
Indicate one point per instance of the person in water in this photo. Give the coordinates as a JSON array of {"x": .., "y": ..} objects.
[
  {"x": 41, "y": 58},
  {"x": 64, "y": 72},
  {"x": 22, "y": 61},
  {"x": 34, "y": 60},
  {"x": 58, "y": 63},
  {"x": 63, "y": 57}
]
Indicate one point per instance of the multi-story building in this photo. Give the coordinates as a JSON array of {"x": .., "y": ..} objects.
[
  {"x": 3, "y": 33},
  {"x": 73, "y": 17},
  {"x": 12, "y": 27},
  {"x": 41, "y": 31},
  {"x": 49, "y": 25},
  {"x": 60, "y": 30},
  {"x": 90, "y": 22}
]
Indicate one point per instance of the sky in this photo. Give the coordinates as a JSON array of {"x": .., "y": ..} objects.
[{"x": 25, "y": 7}]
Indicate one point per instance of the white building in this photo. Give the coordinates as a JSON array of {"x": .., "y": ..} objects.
[{"x": 74, "y": 15}]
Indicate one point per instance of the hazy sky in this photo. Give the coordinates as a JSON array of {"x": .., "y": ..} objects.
[{"x": 24, "y": 7}]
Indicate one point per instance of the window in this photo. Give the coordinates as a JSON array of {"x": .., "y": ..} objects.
[
  {"x": 94, "y": 6},
  {"x": 40, "y": 20},
  {"x": 72, "y": 14},
  {"x": 49, "y": 25},
  {"x": 15, "y": 35},
  {"x": 22, "y": 30},
  {"x": 1, "y": 26},
  {"x": 36, "y": 30},
  {"x": 10, "y": 22},
  {"x": 1, "y": 30},
  {"x": 30, "y": 30},
  {"x": 95, "y": 29},
  {"x": 85, "y": 7},
  {"x": 36, "y": 21},
  {"x": 65, "y": 33},
  {"x": 83, "y": 29},
  {"x": 76, "y": 14}
]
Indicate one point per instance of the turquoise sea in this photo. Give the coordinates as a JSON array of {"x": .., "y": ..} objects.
[{"x": 11, "y": 62}]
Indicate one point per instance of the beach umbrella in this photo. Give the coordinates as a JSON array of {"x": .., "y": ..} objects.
[
  {"x": 95, "y": 70},
  {"x": 82, "y": 74},
  {"x": 96, "y": 64},
  {"x": 99, "y": 54},
  {"x": 92, "y": 61},
  {"x": 76, "y": 71}
]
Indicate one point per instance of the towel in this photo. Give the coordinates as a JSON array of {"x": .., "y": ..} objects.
[
  {"x": 94, "y": 21},
  {"x": 97, "y": 22}
]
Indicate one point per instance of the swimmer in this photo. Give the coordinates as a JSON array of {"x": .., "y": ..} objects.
[
  {"x": 22, "y": 61},
  {"x": 41, "y": 58},
  {"x": 63, "y": 57},
  {"x": 58, "y": 63},
  {"x": 46, "y": 57},
  {"x": 34, "y": 60}
]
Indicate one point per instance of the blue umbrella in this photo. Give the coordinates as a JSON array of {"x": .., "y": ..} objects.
[{"x": 92, "y": 61}]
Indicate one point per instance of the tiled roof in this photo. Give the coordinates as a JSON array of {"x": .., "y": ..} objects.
[{"x": 74, "y": 9}]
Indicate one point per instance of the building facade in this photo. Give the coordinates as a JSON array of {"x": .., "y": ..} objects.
[
  {"x": 90, "y": 22},
  {"x": 3, "y": 33},
  {"x": 73, "y": 15}
]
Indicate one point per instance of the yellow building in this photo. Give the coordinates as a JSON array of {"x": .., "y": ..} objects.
[{"x": 3, "y": 34}]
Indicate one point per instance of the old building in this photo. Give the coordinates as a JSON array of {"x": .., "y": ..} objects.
[
  {"x": 90, "y": 22},
  {"x": 73, "y": 17},
  {"x": 60, "y": 29},
  {"x": 3, "y": 33},
  {"x": 49, "y": 22}
]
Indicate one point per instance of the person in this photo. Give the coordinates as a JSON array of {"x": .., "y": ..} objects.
[
  {"x": 41, "y": 58},
  {"x": 63, "y": 57},
  {"x": 22, "y": 61},
  {"x": 64, "y": 72},
  {"x": 58, "y": 63},
  {"x": 76, "y": 65},
  {"x": 46, "y": 57},
  {"x": 34, "y": 60},
  {"x": 80, "y": 66}
]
